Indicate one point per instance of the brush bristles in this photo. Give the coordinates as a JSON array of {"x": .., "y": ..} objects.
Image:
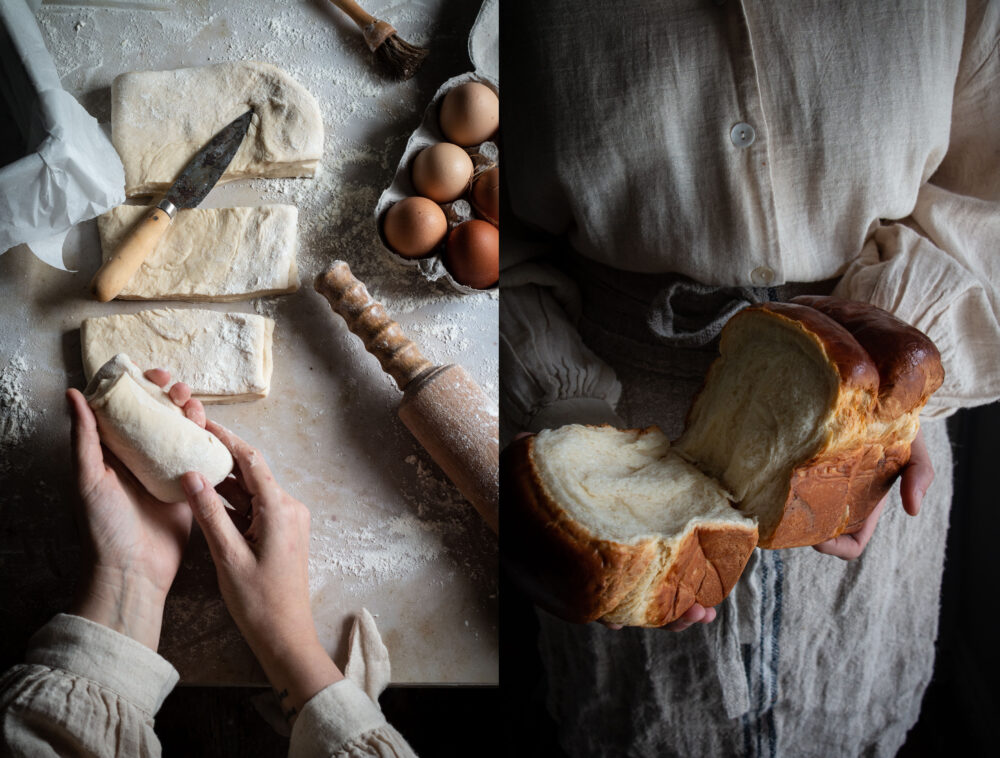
[{"x": 398, "y": 58}]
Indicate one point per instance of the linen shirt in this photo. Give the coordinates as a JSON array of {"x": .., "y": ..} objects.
[
  {"x": 754, "y": 144},
  {"x": 85, "y": 689}
]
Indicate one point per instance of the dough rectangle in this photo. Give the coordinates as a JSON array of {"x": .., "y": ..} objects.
[
  {"x": 224, "y": 357},
  {"x": 211, "y": 254},
  {"x": 149, "y": 433},
  {"x": 160, "y": 119}
]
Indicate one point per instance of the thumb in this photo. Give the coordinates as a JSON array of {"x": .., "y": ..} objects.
[{"x": 224, "y": 539}]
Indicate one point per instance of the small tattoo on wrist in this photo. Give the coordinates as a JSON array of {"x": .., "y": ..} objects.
[
  {"x": 282, "y": 695},
  {"x": 290, "y": 713}
]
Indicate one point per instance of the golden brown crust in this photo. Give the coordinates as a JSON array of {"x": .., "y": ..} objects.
[
  {"x": 855, "y": 366},
  {"x": 835, "y": 491},
  {"x": 908, "y": 363},
  {"x": 704, "y": 569}
]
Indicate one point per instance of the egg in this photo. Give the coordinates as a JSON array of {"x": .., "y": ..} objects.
[
  {"x": 442, "y": 172},
  {"x": 470, "y": 114},
  {"x": 472, "y": 254},
  {"x": 485, "y": 195},
  {"x": 414, "y": 226}
]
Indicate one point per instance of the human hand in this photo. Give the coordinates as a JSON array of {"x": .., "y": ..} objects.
[
  {"x": 133, "y": 542},
  {"x": 916, "y": 478},
  {"x": 696, "y": 614},
  {"x": 264, "y": 572}
]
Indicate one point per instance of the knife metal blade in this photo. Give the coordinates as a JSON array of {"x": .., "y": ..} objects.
[{"x": 208, "y": 165}]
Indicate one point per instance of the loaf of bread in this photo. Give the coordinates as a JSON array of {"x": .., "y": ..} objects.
[{"x": 803, "y": 424}]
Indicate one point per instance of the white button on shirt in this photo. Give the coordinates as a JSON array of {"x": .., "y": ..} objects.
[
  {"x": 761, "y": 276},
  {"x": 742, "y": 135}
]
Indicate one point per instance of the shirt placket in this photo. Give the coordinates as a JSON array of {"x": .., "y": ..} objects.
[{"x": 747, "y": 139}]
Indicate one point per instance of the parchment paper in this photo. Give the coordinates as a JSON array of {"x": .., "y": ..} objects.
[{"x": 74, "y": 173}]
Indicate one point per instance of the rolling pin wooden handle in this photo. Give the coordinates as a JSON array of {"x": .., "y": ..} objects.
[
  {"x": 114, "y": 274},
  {"x": 383, "y": 338}
]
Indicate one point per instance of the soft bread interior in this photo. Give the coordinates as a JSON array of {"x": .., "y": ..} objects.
[
  {"x": 627, "y": 485},
  {"x": 767, "y": 405}
]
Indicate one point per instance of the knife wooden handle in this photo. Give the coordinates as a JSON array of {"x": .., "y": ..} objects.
[
  {"x": 114, "y": 274},
  {"x": 382, "y": 336}
]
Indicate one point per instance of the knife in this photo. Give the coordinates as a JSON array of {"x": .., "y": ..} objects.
[{"x": 189, "y": 189}]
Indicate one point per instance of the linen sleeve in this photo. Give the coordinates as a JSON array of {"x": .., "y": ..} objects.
[
  {"x": 548, "y": 376},
  {"x": 83, "y": 690},
  {"x": 939, "y": 269},
  {"x": 341, "y": 721}
]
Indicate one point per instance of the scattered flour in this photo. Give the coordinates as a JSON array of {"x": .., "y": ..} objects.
[{"x": 17, "y": 417}]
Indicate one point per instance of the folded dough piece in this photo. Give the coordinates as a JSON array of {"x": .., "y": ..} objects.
[
  {"x": 211, "y": 254},
  {"x": 160, "y": 119},
  {"x": 224, "y": 357},
  {"x": 149, "y": 434}
]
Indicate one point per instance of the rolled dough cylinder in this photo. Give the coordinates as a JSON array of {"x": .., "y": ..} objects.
[{"x": 140, "y": 424}]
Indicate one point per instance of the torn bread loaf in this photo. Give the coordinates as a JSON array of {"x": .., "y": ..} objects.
[
  {"x": 612, "y": 524},
  {"x": 224, "y": 357},
  {"x": 160, "y": 119},
  {"x": 211, "y": 254},
  {"x": 805, "y": 420},
  {"x": 141, "y": 425}
]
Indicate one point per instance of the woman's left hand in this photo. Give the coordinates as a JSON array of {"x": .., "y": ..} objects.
[
  {"x": 916, "y": 479},
  {"x": 133, "y": 542}
]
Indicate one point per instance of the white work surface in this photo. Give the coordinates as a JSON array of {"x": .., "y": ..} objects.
[{"x": 390, "y": 533}]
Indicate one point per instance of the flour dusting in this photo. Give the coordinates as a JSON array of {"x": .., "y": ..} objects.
[{"x": 17, "y": 417}]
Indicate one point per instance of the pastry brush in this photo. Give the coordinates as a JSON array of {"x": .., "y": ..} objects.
[{"x": 397, "y": 57}]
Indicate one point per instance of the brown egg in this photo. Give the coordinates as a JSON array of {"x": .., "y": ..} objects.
[
  {"x": 470, "y": 114},
  {"x": 472, "y": 254},
  {"x": 442, "y": 172},
  {"x": 414, "y": 226},
  {"x": 485, "y": 195}
]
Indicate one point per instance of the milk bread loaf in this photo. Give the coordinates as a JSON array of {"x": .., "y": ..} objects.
[{"x": 803, "y": 424}]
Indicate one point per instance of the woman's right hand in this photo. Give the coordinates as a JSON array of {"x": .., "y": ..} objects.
[{"x": 264, "y": 571}]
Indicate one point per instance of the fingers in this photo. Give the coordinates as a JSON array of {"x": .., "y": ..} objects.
[
  {"x": 233, "y": 491},
  {"x": 180, "y": 394},
  {"x": 253, "y": 469},
  {"x": 85, "y": 441},
  {"x": 158, "y": 376},
  {"x": 849, "y": 546},
  {"x": 224, "y": 540},
  {"x": 696, "y": 614},
  {"x": 195, "y": 411},
  {"x": 917, "y": 476}
]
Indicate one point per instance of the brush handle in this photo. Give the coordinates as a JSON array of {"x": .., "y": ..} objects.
[
  {"x": 375, "y": 31},
  {"x": 382, "y": 336},
  {"x": 358, "y": 15}
]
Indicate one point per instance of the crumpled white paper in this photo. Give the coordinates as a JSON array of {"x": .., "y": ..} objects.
[{"x": 75, "y": 173}]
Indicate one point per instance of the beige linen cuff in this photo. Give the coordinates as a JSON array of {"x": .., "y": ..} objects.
[
  {"x": 111, "y": 660},
  {"x": 338, "y": 714}
]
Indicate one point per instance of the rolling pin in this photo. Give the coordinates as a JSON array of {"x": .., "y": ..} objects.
[{"x": 442, "y": 406}]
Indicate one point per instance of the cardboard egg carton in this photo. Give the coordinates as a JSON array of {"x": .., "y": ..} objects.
[{"x": 484, "y": 53}]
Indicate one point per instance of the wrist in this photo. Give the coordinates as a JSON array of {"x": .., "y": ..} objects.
[
  {"x": 297, "y": 671},
  {"x": 126, "y": 603}
]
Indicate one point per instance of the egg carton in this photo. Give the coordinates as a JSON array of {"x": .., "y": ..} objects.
[{"x": 484, "y": 53}]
